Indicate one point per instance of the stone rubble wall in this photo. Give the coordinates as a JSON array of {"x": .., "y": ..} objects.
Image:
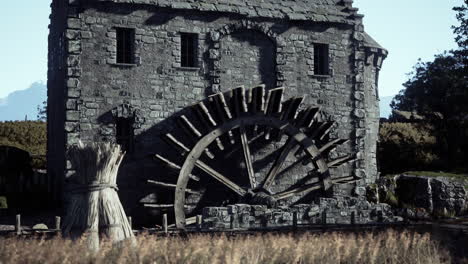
[
  {"x": 438, "y": 196},
  {"x": 341, "y": 210}
]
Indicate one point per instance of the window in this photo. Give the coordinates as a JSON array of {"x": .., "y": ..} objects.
[
  {"x": 188, "y": 44},
  {"x": 124, "y": 133},
  {"x": 321, "y": 65},
  {"x": 125, "y": 37}
]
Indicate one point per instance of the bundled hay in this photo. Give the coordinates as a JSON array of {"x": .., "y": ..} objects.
[{"x": 94, "y": 207}]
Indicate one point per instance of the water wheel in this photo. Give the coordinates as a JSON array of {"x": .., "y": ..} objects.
[{"x": 249, "y": 147}]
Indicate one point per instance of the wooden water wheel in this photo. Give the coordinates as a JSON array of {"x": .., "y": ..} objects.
[{"x": 249, "y": 147}]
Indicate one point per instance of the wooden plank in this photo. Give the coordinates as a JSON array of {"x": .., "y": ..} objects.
[
  {"x": 321, "y": 130},
  {"x": 274, "y": 101},
  {"x": 340, "y": 161},
  {"x": 298, "y": 190},
  {"x": 222, "y": 107},
  {"x": 171, "y": 186},
  {"x": 257, "y": 99},
  {"x": 205, "y": 114},
  {"x": 287, "y": 148},
  {"x": 331, "y": 145},
  {"x": 239, "y": 102},
  {"x": 292, "y": 108},
  {"x": 307, "y": 117},
  {"x": 171, "y": 140},
  {"x": 175, "y": 166},
  {"x": 218, "y": 176},
  {"x": 189, "y": 127},
  {"x": 344, "y": 179},
  {"x": 193, "y": 133},
  {"x": 161, "y": 206},
  {"x": 219, "y": 144},
  {"x": 188, "y": 221},
  {"x": 247, "y": 157},
  {"x": 237, "y": 148}
]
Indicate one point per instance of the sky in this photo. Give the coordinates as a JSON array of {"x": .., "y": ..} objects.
[{"x": 409, "y": 29}]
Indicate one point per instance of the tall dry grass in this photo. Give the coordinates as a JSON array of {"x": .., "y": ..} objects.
[{"x": 388, "y": 247}]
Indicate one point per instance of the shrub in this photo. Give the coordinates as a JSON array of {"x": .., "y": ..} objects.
[
  {"x": 407, "y": 146},
  {"x": 30, "y": 136}
]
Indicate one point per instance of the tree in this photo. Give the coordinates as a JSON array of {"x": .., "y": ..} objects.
[
  {"x": 42, "y": 111},
  {"x": 461, "y": 31},
  {"x": 438, "y": 90}
]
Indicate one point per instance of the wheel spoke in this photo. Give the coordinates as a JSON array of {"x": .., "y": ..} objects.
[
  {"x": 298, "y": 190},
  {"x": 290, "y": 145},
  {"x": 235, "y": 149},
  {"x": 247, "y": 156},
  {"x": 218, "y": 176},
  {"x": 170, "y": 186},
  {"x": 172, "y": 165}
]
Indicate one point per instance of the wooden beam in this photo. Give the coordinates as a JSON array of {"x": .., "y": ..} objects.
[
  {"x": 257, "y": 99},
  {"x": 247, "y": 156},
  {"x": 171, "y": 186},
  {"x": 344, "y": 179},
  {"x": 205, "y": 114},
  {"x": 218, "y": 176},
  {"x": 292, "y": 108},
  {"x": 237, "y": 148},
  {"x": 161, "y": 206},
  {"x": 274, "y": 101},
  {"x": 171, "y": 140},
  {"x": 239, "y": 102},
  {"x": 174, "y": 166},
  {"x": 222, "y": 107},
  {"x": 298, "y": 190},
  {"x": 331, "y": 145},
  {"x": 287, "y": 148},
  {"x": 189, "y": 127},
  {"x": 321, "y": 130},
  {"x": 340, "y": 161}
]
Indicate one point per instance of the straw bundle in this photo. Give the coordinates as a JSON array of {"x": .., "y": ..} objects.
[{"x": 94, "y": 207}]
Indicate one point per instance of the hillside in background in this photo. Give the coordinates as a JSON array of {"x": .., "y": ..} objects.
[
  {"x": 385, "y": 109},
  {"x": 19, "y": 104}
]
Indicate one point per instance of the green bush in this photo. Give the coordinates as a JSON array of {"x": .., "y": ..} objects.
[
  {"x": 30, "y": 136},
  {"x": 407, "y": 146}
]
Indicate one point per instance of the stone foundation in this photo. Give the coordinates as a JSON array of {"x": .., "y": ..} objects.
[{"x": 341, "y": 210}]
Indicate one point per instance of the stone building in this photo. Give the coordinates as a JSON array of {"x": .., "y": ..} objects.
[{"x": 123, "y": 70}]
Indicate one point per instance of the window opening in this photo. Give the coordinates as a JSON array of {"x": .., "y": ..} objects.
[
  {"x": 124, "y": 133},
  {"x": 125, "y": 37},
  {"x": 321, "y": 63},
  {"x": 188, "y": 50}
]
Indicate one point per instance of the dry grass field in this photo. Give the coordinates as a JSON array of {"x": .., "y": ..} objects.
[{"x": 387, "y": 247}]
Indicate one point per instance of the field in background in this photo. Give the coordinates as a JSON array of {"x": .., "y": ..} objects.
[{"x": 386, "y": 247}]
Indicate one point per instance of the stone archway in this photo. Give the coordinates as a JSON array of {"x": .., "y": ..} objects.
[{"x": 244, "y": 53}]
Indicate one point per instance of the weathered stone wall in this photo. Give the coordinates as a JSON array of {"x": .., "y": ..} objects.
[
  {"x": 57, "y": 92},
  {"x": 156, "y": 87},
  {"x": 341, "y": 210}
]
